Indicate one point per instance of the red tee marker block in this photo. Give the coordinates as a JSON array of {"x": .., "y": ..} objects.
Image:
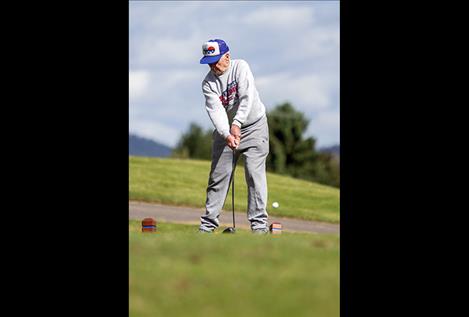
[
  {"x": 275, "y": 228},
  {"x": 148, "y": 225}
]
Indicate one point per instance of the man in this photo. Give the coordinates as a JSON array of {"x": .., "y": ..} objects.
[{"x": 238, "y": 115}]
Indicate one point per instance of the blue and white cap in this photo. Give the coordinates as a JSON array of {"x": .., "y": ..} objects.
[{"x": 213, "y": 50}]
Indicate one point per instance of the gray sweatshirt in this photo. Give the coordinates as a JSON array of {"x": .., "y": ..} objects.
[{"x": 232, "y": 97}]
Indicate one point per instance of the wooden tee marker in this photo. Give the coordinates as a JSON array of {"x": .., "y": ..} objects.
[
  {"x": 148, "y": 225},
  {"x": 275, "y": 228}
]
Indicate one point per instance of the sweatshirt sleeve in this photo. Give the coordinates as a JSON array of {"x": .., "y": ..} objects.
[
  {"x": 245, "y": 93},
  {"x": 216, "y": 111}
]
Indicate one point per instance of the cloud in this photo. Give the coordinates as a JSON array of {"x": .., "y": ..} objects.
[
  {"x": 138, "y": 83},
  {"x": 167, "y": 52},
  {"x": 172, "y": 100},
  {"x": 279, "y": 18},
  {"x": 157, "y": 85},
  {"x": 160, "y": 132},
  {"x": 318, "y": 42},
  {"x": 150, "y": 17},
  {"x": 325, "y": 127},
  {"x": 307, "y": 92},
  {"x": 165, "y": 34},
  {"x": 286, "y": 35}
]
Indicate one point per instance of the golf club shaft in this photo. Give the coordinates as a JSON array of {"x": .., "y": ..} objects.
[{"x": 232, "y": 189}]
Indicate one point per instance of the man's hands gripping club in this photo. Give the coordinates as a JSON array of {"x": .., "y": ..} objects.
[{"x": 234, "y": 138}]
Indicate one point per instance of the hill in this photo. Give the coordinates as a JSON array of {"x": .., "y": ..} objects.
[
  {"x": 184, "y": 182},
  {"x": 139, "y": 146},
  {"x": 333, "y": 149}
]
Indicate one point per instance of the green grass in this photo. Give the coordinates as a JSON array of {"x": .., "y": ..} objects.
[
  {"x": 178, "y": 272},
  {"x": 184, "y": 182}
]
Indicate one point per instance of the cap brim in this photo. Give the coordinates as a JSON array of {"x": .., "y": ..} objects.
[{"x": 210, "y": 59}]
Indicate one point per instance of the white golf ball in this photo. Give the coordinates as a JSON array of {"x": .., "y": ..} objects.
[{"x": 275, "y": 204}]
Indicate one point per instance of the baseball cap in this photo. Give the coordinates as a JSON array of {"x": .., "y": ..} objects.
[{"x": 213, "y": 50}]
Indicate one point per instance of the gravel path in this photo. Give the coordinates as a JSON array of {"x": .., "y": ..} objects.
[{"x": 190, "y": 215}]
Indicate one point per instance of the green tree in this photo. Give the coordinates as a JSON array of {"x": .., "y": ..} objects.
[
  {"x": 327, "y": 170},
  {"x": 195, "y": 143},
  {"x": 292, "y": 154}
]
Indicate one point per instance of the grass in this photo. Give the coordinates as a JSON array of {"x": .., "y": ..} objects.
[
  {"x": 178, "y": 272},
  {"x": 184, "y": 182}
]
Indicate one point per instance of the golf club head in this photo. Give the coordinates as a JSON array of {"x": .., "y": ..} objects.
[{"x": 229, "y": 230}]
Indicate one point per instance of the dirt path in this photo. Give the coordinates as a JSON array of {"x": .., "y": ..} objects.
[{"x": 189, "y": 215}]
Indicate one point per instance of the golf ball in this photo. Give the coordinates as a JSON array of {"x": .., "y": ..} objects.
[{"x": 275, "y": 204}]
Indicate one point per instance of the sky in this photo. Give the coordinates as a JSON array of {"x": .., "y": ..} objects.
[{"x": 291, "y": 47}]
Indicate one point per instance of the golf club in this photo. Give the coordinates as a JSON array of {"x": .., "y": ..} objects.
[{"x": 232, "y": 229}]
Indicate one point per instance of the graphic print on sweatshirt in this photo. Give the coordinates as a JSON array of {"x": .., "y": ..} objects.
[{"x": 231, "y": 93}]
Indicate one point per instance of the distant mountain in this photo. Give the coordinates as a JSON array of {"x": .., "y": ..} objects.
[
  {"x": 140, "y": 146},
  {"x": 333, "y": 149}
]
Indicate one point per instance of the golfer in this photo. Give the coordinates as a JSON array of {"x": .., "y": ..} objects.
[{"x": 238, "y": 115}]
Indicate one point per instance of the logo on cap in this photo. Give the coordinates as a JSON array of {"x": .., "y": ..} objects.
[{"x": 209, "y": 50}]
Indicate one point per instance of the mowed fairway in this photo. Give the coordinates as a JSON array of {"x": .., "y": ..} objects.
[
  {"x": 178, "y": 272},
  {"x": 184, "y": 182}
]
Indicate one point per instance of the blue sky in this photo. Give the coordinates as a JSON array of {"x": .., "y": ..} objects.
[{"x": 291, "y": 47}]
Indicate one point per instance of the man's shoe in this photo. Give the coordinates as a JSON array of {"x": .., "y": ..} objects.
[
  {"x": 261, "y": 231},
  {"x": 204, "y": 231}
]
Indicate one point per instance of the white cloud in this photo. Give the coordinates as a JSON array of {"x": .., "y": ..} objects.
[
  {"x": 325, "y": 127},
  {"x": 307, "y": 92},
  {"x": 173, "y": 99},
  {"x": 279, "y": 17},
  {"x": 138, "y": 83},
  {"x": 157, "y": 131},
  {"x": 152, "y": 87},
  {"x": 165, "y": 34},
  {"x": 153, "y": 51},
  {"x": 151, "y": 16},
  {"x": 177, "y": 77},
  {"x": 286, "y": 34},
  {"x": 318, "y": 42}
]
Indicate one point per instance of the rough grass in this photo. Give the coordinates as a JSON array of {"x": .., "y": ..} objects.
[
  {"x": 184, "y": 182},
  {"x": 179, "y": 272}
]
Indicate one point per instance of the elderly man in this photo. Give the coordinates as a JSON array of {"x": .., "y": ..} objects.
[{"x": 238, "y": 115}]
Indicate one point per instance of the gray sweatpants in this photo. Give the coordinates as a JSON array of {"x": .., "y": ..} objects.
[{"x": 255, "y": 148}]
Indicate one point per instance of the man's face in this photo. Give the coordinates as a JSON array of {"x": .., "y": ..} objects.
[{"x": 221, "y": 66}]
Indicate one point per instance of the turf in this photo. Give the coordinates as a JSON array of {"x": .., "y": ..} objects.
[
  {"x": 179, "y": 272},
  {"x": 184, "y": 182}
]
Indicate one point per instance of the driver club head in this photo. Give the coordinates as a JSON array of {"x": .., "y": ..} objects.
[{"x": 229, "y": 230}]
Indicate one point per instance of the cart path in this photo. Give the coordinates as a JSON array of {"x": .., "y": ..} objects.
[{"x": 190, "y": 215}]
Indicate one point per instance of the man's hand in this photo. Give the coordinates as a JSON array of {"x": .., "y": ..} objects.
[
  {"x": 235, "y": 131},
  {"x": 232, "y": 142}
]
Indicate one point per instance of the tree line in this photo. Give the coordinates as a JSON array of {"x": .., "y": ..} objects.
[{"x": 290, "y": 152}]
